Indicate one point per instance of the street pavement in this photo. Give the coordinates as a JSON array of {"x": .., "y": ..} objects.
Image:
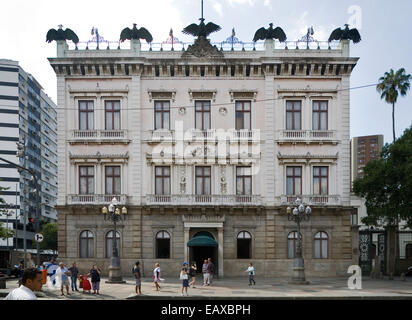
[{"x": 238, "y": 289}]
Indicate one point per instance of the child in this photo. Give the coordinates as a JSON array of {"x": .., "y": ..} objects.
[
  {"x": 86, "y": 283},
  {"x": 251, "y": 271}
]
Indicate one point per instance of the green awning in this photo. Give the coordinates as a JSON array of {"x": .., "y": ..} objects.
[{"x": 202, "y": 241}]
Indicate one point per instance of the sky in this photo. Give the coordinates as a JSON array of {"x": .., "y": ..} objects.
[{"x": 384, "y": 27}]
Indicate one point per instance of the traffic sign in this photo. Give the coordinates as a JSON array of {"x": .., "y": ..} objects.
[{"x": 38, "y": 237}]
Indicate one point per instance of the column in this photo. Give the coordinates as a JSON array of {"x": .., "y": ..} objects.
[
  {"x": 220, "y": 251},
  {"x": 186, "y": 240}
]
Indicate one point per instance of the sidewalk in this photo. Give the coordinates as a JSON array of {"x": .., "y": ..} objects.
[{"x": 238, "y": 288}]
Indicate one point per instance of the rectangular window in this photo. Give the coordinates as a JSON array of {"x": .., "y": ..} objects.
[
  {"x": 162, "y": 115},
  {"x": 112, "y": 115},
  {"x": 162, "y": 180},
  {"x": 293, "y": 115},
  {"x": 320, "y": 180},
  {"x": 86, "y": 180},
  {"x": 243, "y": 115},
  {"x": 243, "y": 180},
  {"x": 320, "y": 115},
  {"x": 112, "y": 180},
  {"x": 203, "y": 179},
  {"x": 293, "y": 180},
  {"x": 86, "y": 115},
  {"x": 202, "y": 115}
]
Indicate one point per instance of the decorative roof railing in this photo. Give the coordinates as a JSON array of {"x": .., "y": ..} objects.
[{"x": 223, "y": 46}]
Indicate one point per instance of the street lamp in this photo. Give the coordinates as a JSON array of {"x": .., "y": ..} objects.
[
  {"x": 298, "y": 214},
  {"x": 113, "y": 213}
]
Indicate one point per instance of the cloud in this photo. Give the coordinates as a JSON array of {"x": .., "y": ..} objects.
[
  {"x": 218, "y": 8},
  {"x": 301, "y": 28},
  {"x": 242, "y": 2}
]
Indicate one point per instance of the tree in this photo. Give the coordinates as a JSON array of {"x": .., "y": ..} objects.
[
  {"x": 4, "y": 233},
  {"x": 387, "y": 184},
  {"x": 49, "y": 232},
  {"x": 390, "y": 85}
]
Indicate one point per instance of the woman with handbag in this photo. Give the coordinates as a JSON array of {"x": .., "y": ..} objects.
[{"x": 184, "y": 276}]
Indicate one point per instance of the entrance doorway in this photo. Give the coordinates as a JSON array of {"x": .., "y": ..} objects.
[{"x": 203, "y": 246}]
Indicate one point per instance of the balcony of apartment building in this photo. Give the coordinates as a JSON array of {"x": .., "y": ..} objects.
[
  {"x": 307, "y": 136},
  {"x": 203, "y": 200}
]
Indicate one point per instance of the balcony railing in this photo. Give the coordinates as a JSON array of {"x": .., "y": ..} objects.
[
  {"x": 213, "y": 200},
  {"x": 163, "y": 135},
  {"x": 95, "y": 199},
  {"x": 316, "y": 200},
  {"x": 307, "y": 135},
  {"x": 98, "y": 135}
]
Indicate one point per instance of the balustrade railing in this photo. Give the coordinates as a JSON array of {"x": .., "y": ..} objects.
[{"x": 220, "y": 200}]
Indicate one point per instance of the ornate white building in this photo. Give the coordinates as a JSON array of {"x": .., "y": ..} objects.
[{"x": 204, "y": 143}]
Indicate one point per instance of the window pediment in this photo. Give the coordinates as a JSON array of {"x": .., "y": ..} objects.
[
  {"x": 202, "y": 94},
  {"x": 238, "y": 94},
  {"x": 162, "y": 94}
]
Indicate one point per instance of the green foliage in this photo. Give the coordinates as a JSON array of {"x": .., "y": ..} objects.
[
  {"x": 5, "y": 233},
  {"x": 390, "y": 86},
  {"x": 387, "y": 184},
  {"x": 49, "y": 232}
]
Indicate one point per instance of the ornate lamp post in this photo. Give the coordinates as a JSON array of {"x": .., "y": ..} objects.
[
  {"x": 113, "y": 213},
  {"x": 298, "y": 214}
]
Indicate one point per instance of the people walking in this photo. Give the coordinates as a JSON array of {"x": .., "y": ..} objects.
[
  {"x": 138, "y": 276},
  {"x": 63, "y": 276},
  {"x": 74, "y": 273},
  {"x": 192, "y": 273},
  {"x": 95, "y": 277},
  {"x": 184, "y": 276},
  {"x": 251, "y": 270},
  {"x": 210, "y": 270},
  {"x": 31, "y": 281},
  {"x": 51, "y": 271},
  {"x": 205, "y": 274},
  {"x": 156, "y": 276}
]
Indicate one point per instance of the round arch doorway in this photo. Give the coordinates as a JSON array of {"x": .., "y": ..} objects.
[{"x": 201, "y": 247}]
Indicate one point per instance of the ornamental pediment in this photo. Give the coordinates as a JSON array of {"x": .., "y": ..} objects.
[
  {"x": 206, "y": 94},
  {"x": 167, "y": 94},
  {"x": 242, "y": 94}
]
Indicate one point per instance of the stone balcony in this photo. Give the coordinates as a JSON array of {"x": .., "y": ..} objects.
[
  {"x": 98, "y": 136},
  {"x": 95, "y": 199},
  {"x": 307, "y": 136},
  {"x": 313, "y": 200},
  {"x": 195, "y": 135},
  {"x": 203, "y": 200}
]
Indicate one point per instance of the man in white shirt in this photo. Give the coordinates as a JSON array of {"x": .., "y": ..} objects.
[
  {"x": 31, "y": 281},
  {"x": 62, "y": 272}
]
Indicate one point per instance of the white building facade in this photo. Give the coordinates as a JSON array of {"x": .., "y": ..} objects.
[{"x": 206, "y": 142}]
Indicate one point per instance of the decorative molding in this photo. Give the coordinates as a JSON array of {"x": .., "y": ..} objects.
[
  {"x": 243, "y": 94},
  {"x": 209, "y": 94},
  {"x": 202, "y": 48},
  {"x": 169, "y": 94}
]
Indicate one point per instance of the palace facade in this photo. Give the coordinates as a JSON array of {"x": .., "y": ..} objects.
[{"x": 204, "y": 143}]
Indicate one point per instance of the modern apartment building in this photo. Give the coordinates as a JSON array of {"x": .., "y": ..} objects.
[
  {"x": 200, "y": 143},
  {"x": 27, "y": 115}
]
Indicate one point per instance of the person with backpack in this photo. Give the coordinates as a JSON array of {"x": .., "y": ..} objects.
[
  {"x": 184, "y": 276},
  {"x": 138, "y": 276}
]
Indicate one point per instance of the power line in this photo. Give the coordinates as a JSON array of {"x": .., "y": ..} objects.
[{"x": 213, "y": 104}]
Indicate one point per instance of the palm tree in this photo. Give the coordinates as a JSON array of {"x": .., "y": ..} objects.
[{"x": 390, "y": 85}]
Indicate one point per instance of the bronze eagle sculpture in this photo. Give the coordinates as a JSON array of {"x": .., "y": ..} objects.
[
  {"x": 129, "y": 34},
  {"x": 345, "y": 34},
  {"x": 270, "y": 33},
  {"x": 202, "y": 29},
  {"x": 60, "y": 34}
]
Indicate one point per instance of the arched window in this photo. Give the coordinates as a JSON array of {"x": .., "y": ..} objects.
[
  {"x": 86, "y": 244},
  {"x": 408, "y": 251},
  {"x": 163, "y": 245},
  {"x": 109, "y": 243},
  {"x": 321, "y": 245},
  {"x": 244, "y": 245},
  {"x": 292, "y": 244}
]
